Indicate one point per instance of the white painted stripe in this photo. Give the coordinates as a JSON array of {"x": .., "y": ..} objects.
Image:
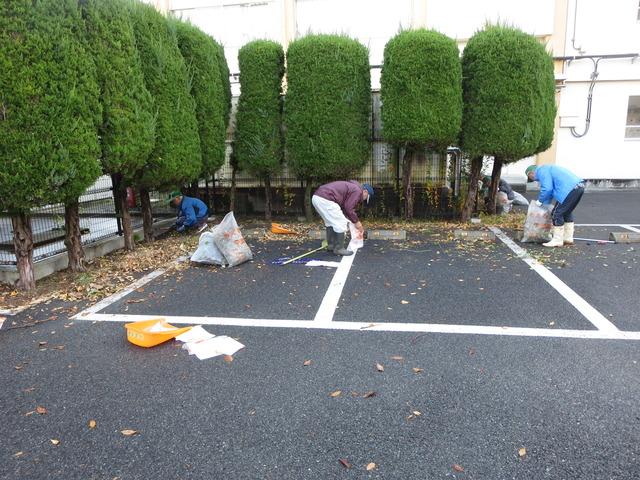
[
  {"x": 334, "y": 292},
  {"x": 629, "y": 227},
  {"x": 105, "y": 302},
  {"x": 580, "y": 304},
  {"x": 376, "y": 327},
  {"x": 606, "y": 224}
]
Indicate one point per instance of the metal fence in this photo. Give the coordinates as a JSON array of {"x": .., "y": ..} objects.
[
  {"x": 436, "y": 182},
  {"x": 98, "y": 220}
]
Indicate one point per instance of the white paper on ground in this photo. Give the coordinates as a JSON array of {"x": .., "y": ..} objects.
[
  {"x": 212, "y": 347},
  {"x": 356, "y": 238},
  {"x": 196, "y": 334},
  {"x": 322, "y": 263}
]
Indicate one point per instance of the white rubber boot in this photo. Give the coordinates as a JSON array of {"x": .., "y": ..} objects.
[
  {"x": 568, "y": 233},
  {"x": 558, "y": 237}
]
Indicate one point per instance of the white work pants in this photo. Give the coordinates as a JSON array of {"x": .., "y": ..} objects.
[{"x": 331, "y": 214}]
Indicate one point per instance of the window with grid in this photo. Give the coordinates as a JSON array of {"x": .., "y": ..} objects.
[{"x": 633, "y": 118}]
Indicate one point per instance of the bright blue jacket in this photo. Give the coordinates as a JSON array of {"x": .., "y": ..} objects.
[
  {"x": 555, "y": 182},
  {"x": 193, "y": 210}
]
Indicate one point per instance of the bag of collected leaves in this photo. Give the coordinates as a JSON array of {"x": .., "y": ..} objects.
[
  {"x": 207, "y": 252},
  {"x": 230, "y": 242},
  {"x": 537, "y": 225}
]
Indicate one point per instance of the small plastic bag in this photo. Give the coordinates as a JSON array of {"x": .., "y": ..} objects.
[
  {"x": 503, "y": 203},
  {"x": 356, "y": 238},
  {"x": 537, "y": 225},
  {"x": 230, "y": 241},
  {"x": 207, "y": 252}
]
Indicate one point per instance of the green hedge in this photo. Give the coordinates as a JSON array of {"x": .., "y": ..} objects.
[
  {"x": 49, "y": 105},
  {"x": 327, "y": 107},
  {"x": 226, "y": 81},
  {"x": 421, "y": 89},
  {"x": 509, "y": 106},
  {"x": 176, "y": 157},
  {"x": 258, "y": 137},
  {"x": 200, "y": 53},
  {"x": 127, "y": 129}
]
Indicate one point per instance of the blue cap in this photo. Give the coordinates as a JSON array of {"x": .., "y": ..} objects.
[{"x": 369, "y": 190}]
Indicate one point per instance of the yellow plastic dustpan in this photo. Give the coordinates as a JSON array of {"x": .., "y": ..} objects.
[
  {"x": 277, "y": 228},
  {"x": 149, "y": 333}
]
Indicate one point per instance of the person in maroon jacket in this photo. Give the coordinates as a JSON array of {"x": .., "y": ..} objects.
[{"x": 336, "y": 202}]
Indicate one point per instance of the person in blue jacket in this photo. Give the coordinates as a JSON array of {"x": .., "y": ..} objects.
[
  {"x": 192, "y": 212},
  {"x": 566, "y": 189}
]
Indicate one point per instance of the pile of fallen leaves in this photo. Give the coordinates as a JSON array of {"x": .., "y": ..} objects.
[{"x": 103, "y": 276}]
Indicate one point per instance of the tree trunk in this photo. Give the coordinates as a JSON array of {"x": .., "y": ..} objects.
[
  {"x": 147, "y": 216},
  {"x": 407, "y": 187},
  {"x": 308, "y": 210},
  {"x": 23, "y": 246},
  {"x": 195, "y": 189},
  {"x": 470, "y": 202},
  {"x": 120, "y": 197},
  {"x": 73, "y": 236},
  {"x": 232, "y": 195},
  {"x": 495, "y": 181},
  {"x": 267, "y": 198}
]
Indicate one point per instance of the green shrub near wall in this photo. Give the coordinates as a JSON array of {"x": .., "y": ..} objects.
[
  {"x": 327, "y": 108},
  {"x": 258, "y": 137},
  {"x": 225, "y": 80},
  {"x": 200, "y": 53},
  {"x": 127, "y": 129},
  {"x": 421, "y": 93},
  {"x": 176, "y": 158},
  {"x": 48, "y": 119},
  {"x": 509, "y": 104}
]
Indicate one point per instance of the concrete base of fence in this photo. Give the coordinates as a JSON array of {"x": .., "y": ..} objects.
[
  {"x": 473, "y": 235},
  {"x": 371, "y": 234},
  {"x": 55, "y": 263}
]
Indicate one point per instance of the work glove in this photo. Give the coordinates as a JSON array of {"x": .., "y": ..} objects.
[
  {"x": 180, "y": 228},
  {"x": 179, "y": 221},
  {"x": 538, "y": 203}
]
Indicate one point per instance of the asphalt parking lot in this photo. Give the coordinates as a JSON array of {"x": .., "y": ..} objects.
[{"x": 497, "y": 363}]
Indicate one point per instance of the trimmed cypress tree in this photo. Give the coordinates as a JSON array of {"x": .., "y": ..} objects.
[
  {"x": 201, "y": 57},
  {"x": 223, "y": 68},
  {"x": 258, "y": 137},
  {"x": 127, "y": 127},
  {"x": 48, "y": 113},
  {"x": 327, "y": 108},
  {"x": 509, "y": 104},
  {"x": 176, "y": 158},
  {"x": 421, "y": 97}
]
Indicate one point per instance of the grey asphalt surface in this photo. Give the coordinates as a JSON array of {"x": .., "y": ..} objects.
[{"x": 572, "y": 404}]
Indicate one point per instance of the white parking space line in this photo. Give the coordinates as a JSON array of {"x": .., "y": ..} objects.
[
  {"x": 334, "y": 292},
  {"x": 579, "y": 303},
  {"x": 629, "y": 227},
  {"x": 373, "y": 327},
  {"x": 607, "y": 224}
]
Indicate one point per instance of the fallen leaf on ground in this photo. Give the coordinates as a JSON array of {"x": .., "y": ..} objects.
[
  {"x": 128, "y": 432},
  {"x": 306, "y": 363},
  {"x": 335, "y": 394},
  {"x": 417, "y": 370},
  {"x": 18, "y": 454},
  {"x": 55, "y": 441},
  {"x": 42, "y": 344},
  {"x": 522, "y": 452},
  {"x": 41, "y": 410},
  {"x": 92, "y": 424},
  {"x": 417, "y": 413},
  {"x": 228, "y": 358},
  {"x": 458, "y": 468},
  {"x": 345, "y": 463},
  {"x": 371, "y": 466},
  {"x": 369, "y": 394},
  {"x": 397, "y": 358},
  {"x": 138, "y": 300},
  {"x": 18, "y": 367},
  {"x": 379, "y": 367},
  {"x": 404, "y": 302}
]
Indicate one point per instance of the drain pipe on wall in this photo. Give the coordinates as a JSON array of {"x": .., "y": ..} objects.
[{"x": 595, "y": 59}]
